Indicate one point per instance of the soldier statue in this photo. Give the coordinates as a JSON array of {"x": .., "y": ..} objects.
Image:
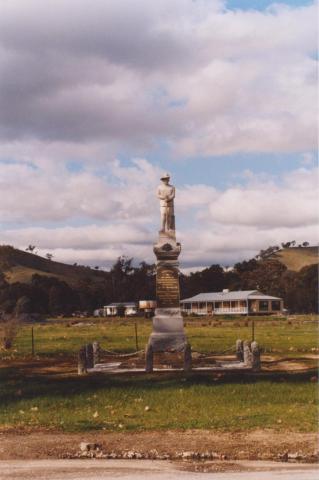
[{"x": 166, "y": 195}]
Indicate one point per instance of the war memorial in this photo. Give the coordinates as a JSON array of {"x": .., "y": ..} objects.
[
  {"x": 168, "y": 334},
  {"x": 168, "y": 328}
]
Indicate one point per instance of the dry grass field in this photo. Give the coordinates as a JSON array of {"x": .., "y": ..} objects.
[{"x": 295, "y": 258}]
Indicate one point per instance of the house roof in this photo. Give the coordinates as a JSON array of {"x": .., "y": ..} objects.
[{"x": 239, "y": 295}]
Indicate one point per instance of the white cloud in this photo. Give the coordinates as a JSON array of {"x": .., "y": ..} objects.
[
  {"x": 38, "y": 195},
  {"x": 208, "y": 80},
  {"x": 215, "y": 226},
  {"x": 134, "y": 76}
]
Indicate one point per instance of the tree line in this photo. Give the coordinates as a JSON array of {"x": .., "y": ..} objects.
[{"x": 126, "y": 282}]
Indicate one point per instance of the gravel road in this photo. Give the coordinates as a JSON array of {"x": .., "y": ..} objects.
[{"x": 158, "y": 470}]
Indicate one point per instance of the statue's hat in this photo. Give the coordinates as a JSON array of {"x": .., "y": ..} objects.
[{"x": 165, "y": 175}]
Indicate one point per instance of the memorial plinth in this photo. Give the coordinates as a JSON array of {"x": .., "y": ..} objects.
[{"x": 168, "y": 327}]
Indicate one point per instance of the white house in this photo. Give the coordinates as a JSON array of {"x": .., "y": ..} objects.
[
  {"x": 242, "y": 302},
  {"x": 120, "y": 308}
]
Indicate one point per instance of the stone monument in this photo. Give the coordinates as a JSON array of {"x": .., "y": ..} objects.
[{"x": 168, "y": 328}]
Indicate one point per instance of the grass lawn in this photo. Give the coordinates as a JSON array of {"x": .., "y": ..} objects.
[
  {"x": 71, "y": 403},
  {"x": 59, "y": 337},
  {"x": 100, "y": 402}
]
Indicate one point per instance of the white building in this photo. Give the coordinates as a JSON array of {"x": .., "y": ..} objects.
[
  {"x": 242, "y": 302},
  {"x": 120, "y": 308}
]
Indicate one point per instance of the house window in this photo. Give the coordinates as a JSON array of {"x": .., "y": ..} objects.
[
  {"x": 202, "y": 305},
  {"x": 275, "y": 305},
  {"x": 186, "y": 306},
  {"x": 263, "y": 305},
  {"x": 217, "y": 304}
]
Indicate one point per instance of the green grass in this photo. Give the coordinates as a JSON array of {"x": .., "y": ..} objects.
[
  {"x": 68, "y": 402},
  {"x": 58, "y": 337},
  {"x": 71, "y": 404}
]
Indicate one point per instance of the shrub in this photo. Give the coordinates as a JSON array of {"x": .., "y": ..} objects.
[{"x": 8, "y": 329}]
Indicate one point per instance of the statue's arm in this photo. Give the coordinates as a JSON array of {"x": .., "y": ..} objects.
[
  {"x": 171, "y": 196},
  {"x": 160, "y": 194}
]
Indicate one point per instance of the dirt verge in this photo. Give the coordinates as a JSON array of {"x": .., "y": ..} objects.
[{"x": 255, "y": 445}]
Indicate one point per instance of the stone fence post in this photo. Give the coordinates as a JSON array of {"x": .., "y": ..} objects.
[
  {"x": 89, "y": 355},
  {"x": 239, "y": 350},
  {"x": 248, "y": 358},
  {"x": 82, "y": 361},
  {"x": 255, "y": 351},
  {"x": 149, "y": 358},
  {"x": 96, "y": 352},
  {"x": 188, "y": 358}
]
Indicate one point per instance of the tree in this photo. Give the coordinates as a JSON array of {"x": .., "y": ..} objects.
[
  {"x": 209, "y": 279},
  {"x": 120, "y": 273},
  {"x": 30, "y": 248},
  {"x": 49, "y": 256},
  {"x": 301, "y": 290},
  {"x": 8, "y": 329},
  {"x": 23, "y": 305},
  {"x": 263, "y": 254},
  {"x": 56, "y": 300},
  {"x": 3, "y": 282}
]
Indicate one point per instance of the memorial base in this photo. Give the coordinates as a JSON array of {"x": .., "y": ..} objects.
[
  {"x": 161, "y": 342},
  {"x": 168, "y": 331},
  {"x": 168, "y": 327}
]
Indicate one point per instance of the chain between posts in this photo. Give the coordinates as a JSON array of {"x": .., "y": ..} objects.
[
  {"x": 231, "y": 349},
  {"x": 109, "y": 352}
]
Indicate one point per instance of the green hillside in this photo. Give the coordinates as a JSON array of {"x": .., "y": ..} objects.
[
  {"x": 19, "y": 266},
  {"x": 295, "y": 258}
]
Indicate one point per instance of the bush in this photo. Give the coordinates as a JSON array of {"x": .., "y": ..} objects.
[{"x": 8, "y": 330}]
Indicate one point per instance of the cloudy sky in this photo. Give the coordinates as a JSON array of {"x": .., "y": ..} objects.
[{"x": 99, "y": 97}]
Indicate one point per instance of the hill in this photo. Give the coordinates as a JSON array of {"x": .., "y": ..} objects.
[
  {"x": 295, "y": 258},
  {"x": 34, "y": 284},
  {"x": 19, "y": 266}
]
